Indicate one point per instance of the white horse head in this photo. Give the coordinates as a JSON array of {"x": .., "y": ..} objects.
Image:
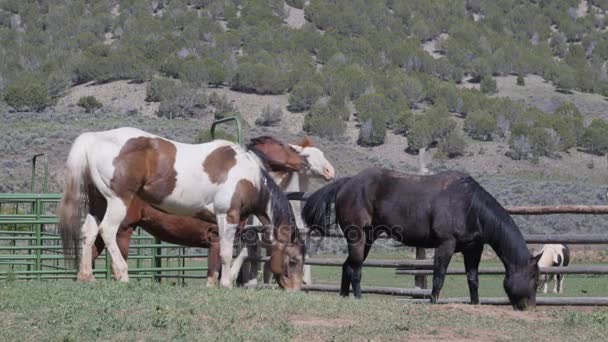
[{"x": 319, "y": 165}]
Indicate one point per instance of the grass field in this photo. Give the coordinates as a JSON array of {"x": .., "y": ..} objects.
[{"x": 70, "y": 311}]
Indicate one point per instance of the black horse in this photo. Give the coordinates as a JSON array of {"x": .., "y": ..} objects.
[{"x": 448, "y": 211}]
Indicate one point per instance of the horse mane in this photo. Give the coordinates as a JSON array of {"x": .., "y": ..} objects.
[
  {"x": 279, "y": 204},
  {"x": 497, "y": 226},
  {"x": 252, "y": 147}
]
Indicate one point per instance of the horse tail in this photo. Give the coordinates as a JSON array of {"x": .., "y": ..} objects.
[
  {"x": 73, "y": 199},
  {"x": 566, "y": 253},
  {"x": 318, "y": 205}
]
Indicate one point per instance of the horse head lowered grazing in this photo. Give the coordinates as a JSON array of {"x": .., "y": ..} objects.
[
  {"x": 294, "y": 176},
  {"x": 217, "y": 179},
  {"x": 448, "y": 211}
]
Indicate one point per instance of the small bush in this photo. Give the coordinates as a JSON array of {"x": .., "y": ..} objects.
[
  {"x": 27, "y": 96},
  {"x": 296, "y": 3},
  {"x": 488, "y": 85},
  {"x": 323, "y": 121},
  {"x": 420, "y": 135},
  {"x": 595, "y": 139},
  {"x": 520, "y": 147},
  {"x": 258, "y": 78},
  {"x": 480, "y": 125},
  {"x": 187, "y": 103},
  {"x": 270, "y": 116},
  {"x": 89, "y": 103},
  {"x": 304, "y": 95},
  {"x": 404, "y": 122},
  {"x": 221, "y": 106},
  {"x": 160, "y": 88},
  {"x": 520, "y": 79},
  {"x": 453, "y": 145},
  {"x": 373, "y": 129}
]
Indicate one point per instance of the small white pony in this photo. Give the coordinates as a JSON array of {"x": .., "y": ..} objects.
[{"x": 552, "y": 256}]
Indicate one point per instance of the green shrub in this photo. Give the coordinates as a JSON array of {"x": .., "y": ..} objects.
[
  {"x": 440, "y": 121},
  {"x": 222, "y": 107},
  {"x": 372, "y": 130},
  {"x": 453, "y": 145},
  {"x": 270, "y": 116},
  {"x": 520, "y": 147},
  {"x": 480, "y": 125},
  {"x": 27, "y": 96},
  {"x": 258, "y": 78},
  {"x": 193, "y": 70},
  {"x": 488, "y": 85},
  {"x": 160, "y": 88},
  {"x": 404, "y": 121},
  {"x": 216, "y": 72},
  {"x": 595, "y": 139},
  {"x": 323, "y": 121},
  {"x": 296, "y": 3},
  {"x": 89, "y": 103},
  {"x": 574, "y": 121},
  {"x": 420, "y": 135},
  {"x": 186, "y": 103},
  {"x": 304, "y": 95},
  {"x": 520, "y": 79}
]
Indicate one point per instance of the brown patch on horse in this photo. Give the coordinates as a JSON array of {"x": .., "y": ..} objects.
[
  {"x": 146, "y": 167},
  {"x": 245, "y": 200},
  {"x": 219, "y": 162}
]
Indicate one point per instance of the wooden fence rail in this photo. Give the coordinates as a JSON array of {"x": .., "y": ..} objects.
[{"x": 572, "y": 269}]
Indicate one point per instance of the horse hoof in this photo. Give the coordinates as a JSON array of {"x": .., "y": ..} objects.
[{"x": 85, "y": 277}]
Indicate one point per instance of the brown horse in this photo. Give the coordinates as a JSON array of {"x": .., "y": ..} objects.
[
  {"x": 217, "y": 180},
  {"x": 448, "y": 211},
  {"x": 189, "y": 231}
]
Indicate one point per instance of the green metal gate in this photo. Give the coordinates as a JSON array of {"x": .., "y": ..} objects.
[{"x": 30, "y": 247}]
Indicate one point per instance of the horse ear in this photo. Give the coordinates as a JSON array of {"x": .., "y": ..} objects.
[
  {"x": 306, "y": 142},
  {"x": 298, "y": 148}
]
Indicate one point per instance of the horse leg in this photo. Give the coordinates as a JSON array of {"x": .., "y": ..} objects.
[
  {"x": 123, "y": 238},
  {"x": 471, "y": 265},
  {"x": 560, "y": 283},
  {"x": 267, "y": 272},
  {"x": 555, "y": 281},
  {"x": 226, "y": 231},
  {"x": 351, "y": 269},
  {"x": 358, "y": 267},
  {"x": 90, "y": 229},
  {"x": 443, "y": 255},
  {"x": 544, "y": 281},
  {"x": 213, "y": 265},
  {"x": 115, "y": 213}
]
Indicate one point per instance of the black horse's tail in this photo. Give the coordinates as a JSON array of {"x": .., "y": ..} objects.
[{"x": 318, "y": 205}]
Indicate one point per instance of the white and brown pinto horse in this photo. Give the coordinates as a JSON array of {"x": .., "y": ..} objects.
[
  {"x": 218, "y": 179},
  {"x": 553, "y": 255}
]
